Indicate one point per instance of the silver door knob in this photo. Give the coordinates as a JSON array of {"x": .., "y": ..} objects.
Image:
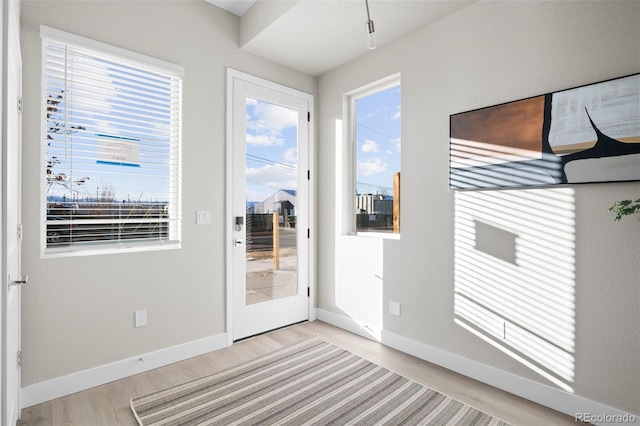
[{"x": 19, "y": 281}]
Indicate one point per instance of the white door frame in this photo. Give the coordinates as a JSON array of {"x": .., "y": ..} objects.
[
  {"x": 11, "y": 78},
  {"x": 229, "y": 236}
]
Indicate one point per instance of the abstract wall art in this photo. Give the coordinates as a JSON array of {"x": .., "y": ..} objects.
[{"x": 586, "y": 134}]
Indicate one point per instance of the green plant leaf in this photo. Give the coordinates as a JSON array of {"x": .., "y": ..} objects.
[{"x": 624, "y": 208}]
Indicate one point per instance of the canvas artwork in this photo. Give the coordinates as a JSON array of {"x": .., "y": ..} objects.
[{"x": 587, "y": 134}]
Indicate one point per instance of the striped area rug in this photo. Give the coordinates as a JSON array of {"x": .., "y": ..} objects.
[{"x": 310, "y": 383}]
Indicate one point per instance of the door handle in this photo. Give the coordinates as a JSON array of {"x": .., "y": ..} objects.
[
  {"x": 19, "y": 281},
  {"x": 239, "y": 242}
]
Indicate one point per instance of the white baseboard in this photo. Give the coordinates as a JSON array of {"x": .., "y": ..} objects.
[
  {"x": 313, "y": 314},
  {"x": 344, "y": 323},
  {"x": 542, "y": 394},
  {"x": 82, "y": 380}
]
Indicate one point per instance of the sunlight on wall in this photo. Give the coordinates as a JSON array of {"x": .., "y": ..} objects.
[
  {"x": 522, "y": 303},
  {"x": 359, "y": 291},
  {"x": 358, "y": 260}
]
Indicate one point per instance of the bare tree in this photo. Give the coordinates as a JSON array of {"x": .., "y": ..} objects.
[{"x": 56, "y": 125}]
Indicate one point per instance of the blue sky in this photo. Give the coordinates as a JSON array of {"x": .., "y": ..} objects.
[
  {"x": 272, "y": 149},
  {"x": 377, "y": 141},
  {"x": 272, "y": 145},
  {"x": 271, "y": 152},
  {"x": 117, "y": 142}
]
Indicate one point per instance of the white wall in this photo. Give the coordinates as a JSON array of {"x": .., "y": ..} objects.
[
  {"x": 78, "y": 312},
  {"x": 486, "y": 54}
]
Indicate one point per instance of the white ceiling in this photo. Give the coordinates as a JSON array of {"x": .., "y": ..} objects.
[
  {"x": 237, "y": 7},
  {"x": 315, "y": 36}
]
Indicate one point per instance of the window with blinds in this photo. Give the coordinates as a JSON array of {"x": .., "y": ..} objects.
[{"x": 112, "y": 148}]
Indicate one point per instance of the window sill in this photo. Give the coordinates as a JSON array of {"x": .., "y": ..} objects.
[
  {"x": 92, "y": 250},
  {"x": 380, "y": 235}
]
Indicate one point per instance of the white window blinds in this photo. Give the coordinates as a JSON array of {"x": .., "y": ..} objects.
[{"x": 112, "y": 143}]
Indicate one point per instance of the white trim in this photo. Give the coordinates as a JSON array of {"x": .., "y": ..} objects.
[
  {"x": 374, "y": 87},
  {"x": 11, "y": 67},
  {"x": 231, "y": 74},
  {"x": 82, "y": 380},
  {"x": 228, "y": 233},
  {"x": 346, "y": 158},
  {"x": 346, "y": 323},
  {"x": 312, "y": 185},
  {"x": 138, "y": 58},
  {"x": 313, "y": 314},
  {"x": 311, "y": 188},
  {"x": 148, "y": 69},
  {"x": 542, "y": 394},
  {"x": 374, "y": 234},
  {"x": 235, "y": 74},
  {"x": 95, "y": 249}
]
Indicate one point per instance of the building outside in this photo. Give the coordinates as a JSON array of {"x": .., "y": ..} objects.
[
  {"x": 282, "y": 202},
  {"x": 374, "y": 204}
]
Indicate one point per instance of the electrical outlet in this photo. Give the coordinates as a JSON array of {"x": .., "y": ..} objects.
[
  {"x": 141, "y": 318},
  {"x": 394, "y": 308}
]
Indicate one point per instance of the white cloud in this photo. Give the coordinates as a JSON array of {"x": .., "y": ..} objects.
[
  {"x": 369, "y": 146},
  {"x": 274, "y": 176},
  {"x": 370, "y": 167},
  {"x": 262, "y": 182},
  {"x": 291, "y": 156},
  {"x": 397, "y": 114},
  {"x": 397, "y": 143},
  {"x": 264, "y": 140},
  {"x": 274, "y": 117},
  {"x": 267, "y": 122}
]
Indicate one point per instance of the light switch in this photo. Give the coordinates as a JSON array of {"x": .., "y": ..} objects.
[{"x": 203, "y": 218}]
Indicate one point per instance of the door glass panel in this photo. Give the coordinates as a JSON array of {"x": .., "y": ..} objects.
[{"x": 271, "y": 182}]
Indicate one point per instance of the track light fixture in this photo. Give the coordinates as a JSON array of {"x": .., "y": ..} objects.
[{"x": 372, "y": 42}]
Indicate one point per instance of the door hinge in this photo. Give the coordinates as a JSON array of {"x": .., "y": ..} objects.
[
  {"x": 309, "y": 116},
  {"x": 19, "y": 357},
  {"x": 308, "y": 174},
  {"x": 308, "y": 291},
  {"x": 20, "y": 104},
  {"x": 308, "y": 233},
  {"x": 19, "y": 232}
]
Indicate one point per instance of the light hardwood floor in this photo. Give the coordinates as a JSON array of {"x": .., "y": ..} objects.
[{"x": 108, "y": 404}]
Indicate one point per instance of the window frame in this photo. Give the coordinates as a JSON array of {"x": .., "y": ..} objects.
[
  {"x": 174, "y": 221},
  {"x": 349, "y": 156}
]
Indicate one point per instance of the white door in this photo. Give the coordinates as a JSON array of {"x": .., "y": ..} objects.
[
  {"x": 11, "y": 158},
  {"x": 269, "y": 150}
]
